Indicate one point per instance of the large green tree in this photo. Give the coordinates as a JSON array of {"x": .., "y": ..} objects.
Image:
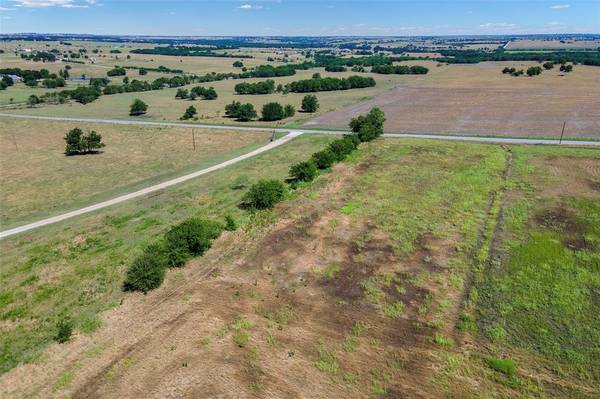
[
  {"x": 138, "y": 107},
  {"x": 310, "y": 103}
]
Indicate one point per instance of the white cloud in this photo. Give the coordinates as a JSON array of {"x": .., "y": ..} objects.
[
  {"x": 560, "y": 6},
  {"x": 250, "y": 7},
  {"x": 52, "y": 3},
  {"x": 497, "y": 25},
  {"x": 6, "y": 9}
]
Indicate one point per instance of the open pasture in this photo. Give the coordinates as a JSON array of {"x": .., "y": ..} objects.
[
  {"x": 480, "y": 100},
  {"x": 38, "y": 180}
]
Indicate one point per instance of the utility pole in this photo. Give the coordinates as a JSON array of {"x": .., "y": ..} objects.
[
  {"x": 273, "y": 136},
  {"x": 562, "y": 133},
  {"x": 194, "y": 139}
]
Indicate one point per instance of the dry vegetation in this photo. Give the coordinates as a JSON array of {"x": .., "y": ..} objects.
[
  {"x": 39, "y": 180},
  {"x": 362, "y": 284},
  {"x": 478, "y": 99}
]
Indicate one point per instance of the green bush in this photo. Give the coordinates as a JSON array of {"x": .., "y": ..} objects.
[
  {"x": 304, "y": 171},
  {"x": 230, "y": 224},
  {"x": 504, "y": 366},
  {"x": 341, "y": 148},
  {"x": 368, "y": 132},
  {"x": 264, "y": 194},
  {"x": 324, "y": 159},
  {"x": 147, "y": 271},
  {"x": 272, "y": 112},
  {"x": 64, "y": 329},
  {"x": 190, "y": 238}
]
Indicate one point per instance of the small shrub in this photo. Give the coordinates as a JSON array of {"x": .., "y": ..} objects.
[
  {"x": 264, "y": 194},
  {"x": 64, "y": 329},
  {"x": 147, "y": 271},
  {"x": 443, "y": 341},
  {"x": 504, "y": 366},
  {"x": 323, "y": 159},
  {"x": 230, "y": 224},
  {"x": 190, "y": 238},
  {"x": 327, "y": 362},
  {"x": 241, "y": 338},
  {"x": 305, "y": 171}
]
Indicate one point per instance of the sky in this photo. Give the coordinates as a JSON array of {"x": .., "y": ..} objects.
[{"x": 299, "y": 17}]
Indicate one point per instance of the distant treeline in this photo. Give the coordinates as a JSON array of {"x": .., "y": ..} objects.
[
  {"x": 187, "y": 51},
  {"x": 400, "y": 69},
  {"x": 161, "y": 69},
  {"x": 560, "y": 57},
  {"x": 39, "y": 56},
  {"x": 329, "y": 84}
]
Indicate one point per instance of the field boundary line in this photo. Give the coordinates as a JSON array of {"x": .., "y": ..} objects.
[{"x": 149, "y": 189}]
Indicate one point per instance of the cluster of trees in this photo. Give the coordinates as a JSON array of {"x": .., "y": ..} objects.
[
  {"x": 116, "y": 71},
  {"x": 52, "y": 83},
  {"x": 26, "y": 74},
  {"x": 318, "y": 83},
  {"x": 264, "y": 87},
  {"x": 238, "y": 64},
  {"x": 512, "y": 71},
  {"x": 39, "y": 56},
  {"x": 566, "y": 68},
  {"x": 274, "y": 111},
  {"x": 370, "y": 126},
  {"x": 140, "y": 85},
  {"x": 78, "y": 143},
  {"x": 324, "y": 60},
  {"x": 241, "y": 112},
  {"x": 198, "y": 91},
  {"x": 400, "y": 69}
]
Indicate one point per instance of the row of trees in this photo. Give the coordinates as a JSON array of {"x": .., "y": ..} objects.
[
  {"x": 193, "y": 237},
  {"x": 400, "y": 69},
  {"x": 318, "y": 83},
  {"x": 264, "y": 87},
  {"x": 205, "y": 93},
  {"x": 272, "y": 111},
  {"x": 116, "y": 71}
]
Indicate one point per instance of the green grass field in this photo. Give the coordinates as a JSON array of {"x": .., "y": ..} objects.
[{"x": 75, "y": 269}]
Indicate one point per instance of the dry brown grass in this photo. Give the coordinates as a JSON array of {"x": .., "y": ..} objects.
[
  {"x": 38, "y": 179},
  {"x": 479, "y": 99}
]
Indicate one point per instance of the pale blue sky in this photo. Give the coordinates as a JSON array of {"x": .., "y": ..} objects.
[{"x": 298, "y": 17}]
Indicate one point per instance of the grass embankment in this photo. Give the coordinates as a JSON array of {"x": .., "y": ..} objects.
[{"x": 76, "y": 269}]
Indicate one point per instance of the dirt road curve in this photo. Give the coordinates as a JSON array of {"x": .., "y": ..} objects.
[
  {"x": 292, "y": 133},
  {"x": 149, "y": 189}
]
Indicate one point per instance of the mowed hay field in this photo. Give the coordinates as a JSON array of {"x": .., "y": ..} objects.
[
  {"x": 376, "y": 280},
  {"x": 38, "y": 180},
  {"x": 480, "y": 100},
  {"x": 75, "y": 269}
]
